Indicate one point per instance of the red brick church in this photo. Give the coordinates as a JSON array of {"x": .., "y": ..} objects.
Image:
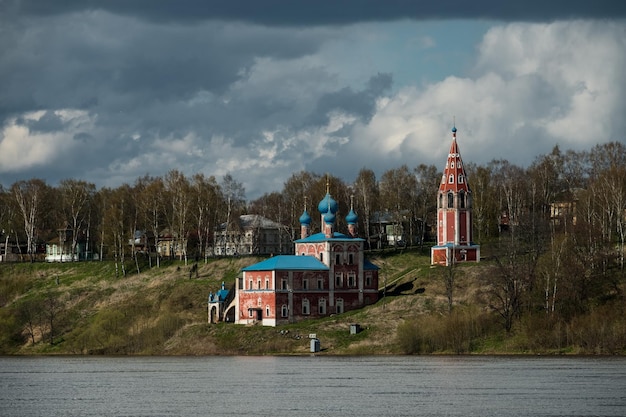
[{"x": 328, "y": 274}]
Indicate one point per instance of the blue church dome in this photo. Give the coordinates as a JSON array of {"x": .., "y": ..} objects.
[
  {"x": 454, "y": 129},
  {"x": 329, "y": 218},
  {"x": 352, "y": 218},
  {"x": 327, "y": 203},
  {"x": 305, "y": 219}
]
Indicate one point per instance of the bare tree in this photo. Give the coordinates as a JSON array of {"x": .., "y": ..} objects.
[
  {"x": 29, "y": 195},
  {"x": 76, "y": 197},
  {"x": 366, "y": 193},
  {"x": 178, "y": 192},
  {"x": 398, "y": 189},
  {"x": 427, "y": 177}
]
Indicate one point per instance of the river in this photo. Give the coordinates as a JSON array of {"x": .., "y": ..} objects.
[{"x": 312, "y": 386}]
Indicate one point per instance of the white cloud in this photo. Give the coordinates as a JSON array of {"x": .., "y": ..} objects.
[
  {"x": 534, "y": 86},
  {"x": 22, "y": 148}
]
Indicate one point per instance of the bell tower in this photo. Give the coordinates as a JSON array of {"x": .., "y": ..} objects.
[{"x": 454, "y": 214}]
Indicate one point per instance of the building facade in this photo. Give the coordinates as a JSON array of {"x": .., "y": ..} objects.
[
  {"x": 254, "y": 235},
  {"x": 328, "y": 274},
  {"x": 454, "y": 213}
]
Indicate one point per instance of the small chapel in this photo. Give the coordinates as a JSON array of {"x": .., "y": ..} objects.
[
  {"x": 328, "y": 274},
  {"x": 454, "y": 213}
]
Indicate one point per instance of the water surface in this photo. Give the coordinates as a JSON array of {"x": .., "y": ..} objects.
[{"x": 312, "y": 386}]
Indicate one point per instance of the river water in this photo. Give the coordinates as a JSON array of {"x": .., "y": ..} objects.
[{"x": 312, "y": 386}]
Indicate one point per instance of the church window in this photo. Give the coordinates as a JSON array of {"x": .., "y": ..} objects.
[
  {"x": 452, "y": 164},
  {"x": 368, "y": 279},
  {"x": 339, "y": 305},
  {"x": 351, "y": 259},
  {"x": 306, "y": 307},
  {"x": 321, "y": 306},
  {"x": 338, "y": 280},
  {"x": 267, "y": 311},
  {"x": 351, "y": 279},
  {"x": 320, "y": 284},
  {"x": 462, "y": 199},
  {"x": 451, "y": 179},
  {"x": 250, "y": 285},
  {"x": 283, "y": 284},
  {"x": 284, "y": 310},
  {"x": 440, "y": 200},
  {"x": 321, "y": 257},
  {"x": 267, "y": 283},
  {"x": 450, "y": 200},
  {"x": 305, "y": 284},
  {"x": 337, "y": 259},
  {"x": 258, "y": 284},
  {"x": 460, "y": 178}
]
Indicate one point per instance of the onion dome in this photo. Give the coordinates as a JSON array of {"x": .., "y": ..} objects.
[
  {"x": 352, "y": 218},
  {"x": 305, "y": 219},
  {"x": 327, "y": 204},
  {"x": 329, "y": 217}
]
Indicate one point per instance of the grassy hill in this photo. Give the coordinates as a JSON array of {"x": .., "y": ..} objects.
[{"x": 82, "y": 308}]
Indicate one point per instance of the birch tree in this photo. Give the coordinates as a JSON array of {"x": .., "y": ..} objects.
[
  {"x": 76, "y": 198},
  {"x": 367, "y": 199},
  {"x": 29, "y": 195}
]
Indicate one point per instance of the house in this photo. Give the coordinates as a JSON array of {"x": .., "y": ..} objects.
[
  {"x": 170, "y": 246},
  {"x": 59, "y": 249},
  {"x": 143, "y": 242},
  {"x": 454, "y": 213},
  {"x": 253, "y": 235},
  {"x": 328, "y": 274}
]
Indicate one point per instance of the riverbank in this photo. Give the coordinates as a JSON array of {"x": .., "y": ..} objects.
[{"x": 82, "y": 308}]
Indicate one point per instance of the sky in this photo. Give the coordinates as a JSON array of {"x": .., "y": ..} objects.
[{"x": 110, "y": 91}]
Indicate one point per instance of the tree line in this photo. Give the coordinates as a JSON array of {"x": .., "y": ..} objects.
[{"x": 505, "y": 198}]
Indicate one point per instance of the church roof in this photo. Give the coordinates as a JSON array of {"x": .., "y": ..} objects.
[
  {"x": 321, "y": 237},
  {"x": 454, "y": 178},
  {"x": 288, "y": 263}
]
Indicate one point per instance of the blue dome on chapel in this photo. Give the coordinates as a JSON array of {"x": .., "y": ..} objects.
[
  {"x": 352, "y": 218},
  {"x": 329, "y": 218},
  {"x": 305, "y": 219},
  {"x": 454, "y": 130},
  {"x": 327, "y": 203}
]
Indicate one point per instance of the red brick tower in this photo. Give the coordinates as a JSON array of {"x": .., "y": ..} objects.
[{"x": 454, "y": 214}]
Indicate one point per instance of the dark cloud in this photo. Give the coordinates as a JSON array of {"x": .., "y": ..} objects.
[
  {"x": 321, "y": 12},
  {"x": 358, "y": 103}
]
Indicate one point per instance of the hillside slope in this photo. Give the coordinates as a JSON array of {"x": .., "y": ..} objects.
[{"x": 82, "y": 308}]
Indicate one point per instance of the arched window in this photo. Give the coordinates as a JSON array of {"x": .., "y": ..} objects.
[
  {"x": 440, "y": 200},
  {"x": 451, "y": 179},
  {"x": 284, "y": 310},
  {"x": 462, "y": 199},
  {"x": 267, "y": 311},
  {"x": 450, "y": 200},
  {"x": 322, "y": 306},
  {"x": 339, "y": 305},
  {"x": 306, "y": 309},
  {"x": 461, "y": 179}
]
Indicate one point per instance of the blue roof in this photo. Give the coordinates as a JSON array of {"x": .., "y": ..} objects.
[
  {"x": 368, "y": 266},
  {"x": 321, "y": 237},
  {"x": 288, "y": 263}
]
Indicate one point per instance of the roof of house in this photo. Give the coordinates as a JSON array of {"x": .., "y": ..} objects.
[
  {"x": 288, "y": 263},
  {"x": 254, "y": 221}
]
